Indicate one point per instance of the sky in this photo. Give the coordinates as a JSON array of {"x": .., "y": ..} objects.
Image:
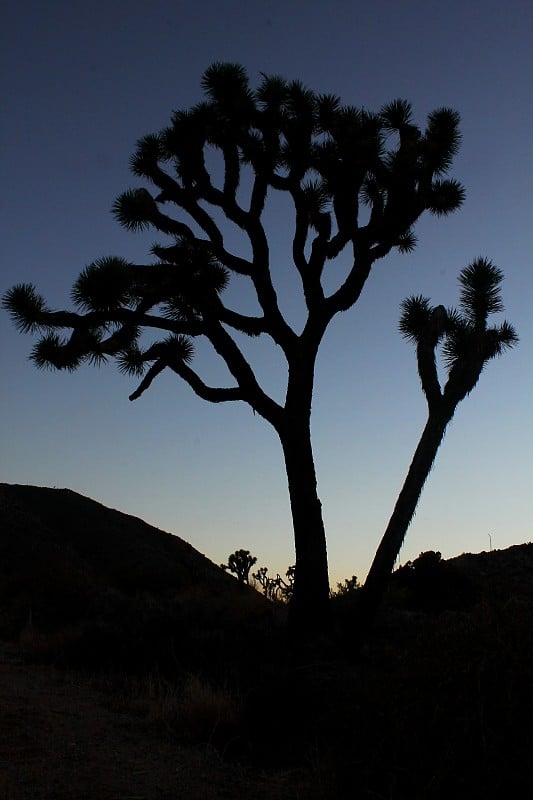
[{"x": 81, "y": 83}]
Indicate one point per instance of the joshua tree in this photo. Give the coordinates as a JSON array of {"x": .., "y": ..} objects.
[
  {"x": 329, "y": 159},
  {"x": 276, "y": 588},
  {"x": 467, "y": 345},
  {"x": 268, "y": 584},
  {"x": 240, "y": 562}
]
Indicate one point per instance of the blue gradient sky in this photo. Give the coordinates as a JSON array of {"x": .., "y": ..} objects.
[{"x": 81, "y": 83}]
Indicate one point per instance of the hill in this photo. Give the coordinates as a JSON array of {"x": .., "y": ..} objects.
[
  {"x": 83, "y": 583},
  {"x": 38, "y": 523}
]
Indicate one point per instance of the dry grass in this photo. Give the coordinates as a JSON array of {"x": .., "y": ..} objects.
[{"x": 194, "y": 710}]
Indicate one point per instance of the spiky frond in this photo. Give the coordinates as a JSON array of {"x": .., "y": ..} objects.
[
  {"x": 145, "y": 159},
  {"x": 130, "y": 361},
  {"x": 255, "y": 151},
  {"x": 326, "y": 159},
  {"x": 134, "y": 209},
  {"x": 442, "y": 139},
  {"x": 327, "y": 107},
  {"x": 300, "y": 102},
  {"x": 271, "y": 93},
  {"x": 460, "y": 344},
  {"x": 446, "y": 196},
  {"x": 25, "y": 306},
  {"x": 316, "y": 195},
  {"x": 396, "y": 115},
  {"x": 345, "y": 128},
  {"x": 480, "y": 290},
  {"x": 223, "y": 79},
  {"x": 94, "y": 353},
  {"x": 406, "y": 242},
  {"x": 227, "y": 87},
  {"x": 178, "y": 348},
  {"x": 104, "y": 285},
  {"x": 371, "y": 192},
  {"x": 415, "y": 317},
  {"x": 184, "y": 140},
  {"x": 466, "y": 343},
  {"x": 197, "y": 267},
  {"x": 52, "y": 352},
  {"x": 507, "y": 338},
  {"x": 499, "y": 339}
]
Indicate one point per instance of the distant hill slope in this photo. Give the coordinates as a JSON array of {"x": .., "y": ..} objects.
[
  {"x": 432, "y": 584},
  {"x": 505, "y": 573},
  {"x": 38, "y": 524}
]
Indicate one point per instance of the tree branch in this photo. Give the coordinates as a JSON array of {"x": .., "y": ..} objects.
[
  {"x": 310, "y": 271},
  {"x": 301, "y": 231},
  {"x": 237, "y": 264},
  {"x": 187, "y": 200},
  {"x": 94, "y": 319},
  {"x": 210, "y": 393},
  {"x": 258, "y": 270},
  {"x": 425, "y": 355},
  {"x": 241, "y": 370},
  {"x": 146, "y": 382},
  {"x": 253, "y": 326},
  {"x": 231, "y": 170},
  {"x": 259, "y": 194},
  {"x": 348, "y": 294}
]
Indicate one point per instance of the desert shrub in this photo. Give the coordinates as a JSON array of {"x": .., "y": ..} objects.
[
  {"x": 432, "y": 585},
  {"x": 348, "y": 586},
  {"x": 194, "y": 709},
  {"x": 208, "y": 713}
]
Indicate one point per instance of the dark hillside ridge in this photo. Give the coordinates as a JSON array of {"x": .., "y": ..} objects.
[
  {"x": 38, "y": 524},
  {"x": 432, "y": 584},
  {"x": 41, "y": 524},
  {"x": 505, "y": 573}
]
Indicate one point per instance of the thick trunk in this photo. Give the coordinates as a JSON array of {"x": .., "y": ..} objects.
[
  {"x": 387, "y": 552},
  {"x": 309, "y": 607}
]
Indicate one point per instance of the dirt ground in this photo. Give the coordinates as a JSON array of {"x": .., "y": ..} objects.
[{"x": 59, "y": 740}]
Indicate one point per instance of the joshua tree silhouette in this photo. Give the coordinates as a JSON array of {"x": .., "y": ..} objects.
[
  {"x": 467, "y": 345},
  {"x": 329, "y": 159},
  {"x": 240, "y": 562}
]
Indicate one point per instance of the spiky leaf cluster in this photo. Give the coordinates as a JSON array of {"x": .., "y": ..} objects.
[
  {"x": 104, "y": 285},
  {"x": 415, "y": 317},
  {"x": 468, "y": 342},
  {"x": 480, "y": 290},
  {"x": 26, "y": 307}
]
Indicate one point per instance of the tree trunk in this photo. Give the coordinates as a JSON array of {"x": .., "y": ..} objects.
[
  {"x": 389, "y": 547},
  {"x": 309, "y": 606}
]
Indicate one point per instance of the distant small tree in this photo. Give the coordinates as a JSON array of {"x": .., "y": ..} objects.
[
  {"x": 267, "y": 584},
  {"x": 286, "y": 585},
  {"x": 277, "y": 588},
  {"x": 240, "y": 563},
  {"x": 467, "y": 344},
  {"x": 348, "y": 586}
]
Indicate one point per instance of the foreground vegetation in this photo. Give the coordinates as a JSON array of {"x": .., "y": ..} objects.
[{"x": 435, "y": 704}]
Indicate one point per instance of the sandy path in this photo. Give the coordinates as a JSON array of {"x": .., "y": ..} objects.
[{"x": 58, "y": 741}]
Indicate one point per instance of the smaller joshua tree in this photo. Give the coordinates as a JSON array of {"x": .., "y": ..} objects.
[
  {"x": 276, "y": 589},
  {"x": 467, "y": 344},
  {"x": 240, "y": 563}
]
